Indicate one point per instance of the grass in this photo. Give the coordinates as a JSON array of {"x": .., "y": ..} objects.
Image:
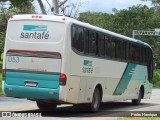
[{"x": 138, "y": 118}]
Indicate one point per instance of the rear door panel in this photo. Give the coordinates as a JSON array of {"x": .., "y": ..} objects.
[{"x": 40, "y": 68}]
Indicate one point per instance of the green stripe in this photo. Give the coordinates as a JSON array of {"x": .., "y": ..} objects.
[{"x": 126, "y": 78}]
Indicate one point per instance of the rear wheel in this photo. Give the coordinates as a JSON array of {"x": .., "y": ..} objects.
[
  {"x": 137, "y": 101},
  {"x": 46, "y": 106},
  {"x": 94, "y": 106}
]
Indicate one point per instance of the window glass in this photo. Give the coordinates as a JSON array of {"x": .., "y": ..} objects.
[
  {"x": 118, "y": 48},
  {"x": 130, "y": 51},
  {"x": 78, "y": 38},
  {"x": 86, "y": 42},
  {"x": 101, "y": 45},
  {"x": 124, "y": 50},
  {"x": 107, "y": 46},
  {"x": 136, "y": 53},
  {"x": 92, "y": 42},
  {"x": 113, "y": 47}
]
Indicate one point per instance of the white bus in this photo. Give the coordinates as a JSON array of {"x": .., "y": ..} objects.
[{"x": 56, "y": 59}]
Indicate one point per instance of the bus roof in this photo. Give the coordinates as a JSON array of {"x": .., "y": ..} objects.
[{"x": 64, "y": 19}]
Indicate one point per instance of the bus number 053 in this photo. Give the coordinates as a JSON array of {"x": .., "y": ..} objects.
[{"x": 13, "y": 59}]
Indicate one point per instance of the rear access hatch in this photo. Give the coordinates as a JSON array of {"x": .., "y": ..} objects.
[{"x": 33, "y": 69}]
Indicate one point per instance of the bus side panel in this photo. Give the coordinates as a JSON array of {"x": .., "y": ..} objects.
[
  {"x": 110, "y": 86},
  {"x": 82, "y": 92},
  {"x": 98, "y": 71},
  {"x": 136, "y": 75},
  {"x": 73, "y": 89},
  {"x": 81, "y": 89},
  {"x": 66, "y": 62},
  {"x": 139, "y": 78}
]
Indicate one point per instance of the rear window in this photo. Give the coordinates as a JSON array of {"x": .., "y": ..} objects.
[{"x": 35, "y": 31}]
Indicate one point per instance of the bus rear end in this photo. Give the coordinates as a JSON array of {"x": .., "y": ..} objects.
[{"x": 33, "y": 57}]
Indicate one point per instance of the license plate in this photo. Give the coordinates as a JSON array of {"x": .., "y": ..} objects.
[{"x": 31, "y": 84}]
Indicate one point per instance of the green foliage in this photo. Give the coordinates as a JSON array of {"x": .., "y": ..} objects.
[
  {"x": 156, "y": 79},
  {"x": 3, "y": 27},
  {"x": 135, "y": 18},
  {"x": 22, "y": 6},
  {"x": 0, "y": 79},
  {"x": 154, "y": 2},
  {"x": 0, "y": 86},
  {"x": 99, "y": 19},
  {"x": 2, "y": 56}
]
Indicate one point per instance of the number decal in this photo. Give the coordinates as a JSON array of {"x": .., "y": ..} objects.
[{"x": 13, "y": 59}]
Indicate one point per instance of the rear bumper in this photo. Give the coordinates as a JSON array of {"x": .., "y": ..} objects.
[{"x": 31, "y": 92}]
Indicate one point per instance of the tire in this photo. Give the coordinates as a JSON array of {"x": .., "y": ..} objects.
[
  {"x": 94, "y": 106},
  {"x": 137, "y": 101},
  {"x": 46, "y": 106}
]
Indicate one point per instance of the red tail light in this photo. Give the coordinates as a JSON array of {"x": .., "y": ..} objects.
[
  {"x": 36, "y": 16},
  {"x": 63, "y": 79},
  {"x": 3, "y": 74},
  {"x": 11, "y": 17}
]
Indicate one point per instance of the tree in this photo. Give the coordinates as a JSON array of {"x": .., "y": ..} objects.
[
  {"x": 103, "y": 20},
  {"x": 42, "y": 6},
  {"x": 16, "y": 7},
  {"x": 154, "y": 2},
  {"x": 21, "y": 6},
  {"x": 56, "y": 5},
  {"x": 3, "y": 26},
  {"x": 135, "y": 18}
]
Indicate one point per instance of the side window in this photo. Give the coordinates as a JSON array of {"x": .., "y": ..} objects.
[
  {"x": 130, "y": 51},
  {"x": 101, "y": 45},
  {"x": 92, "y": 42},
  {"x": 113, "y": 47},
  {"x": 144, "y": 55},
  {"x": 73, "y": 32},
  {"x": 150, "y": 64},
  {"x": 136, "y": 53},
  {"x": 78, "y": 38},
  {"x": 86, "y": 42},
  {"x": 124, "y": 50},
  {"x": 107, "y": 46},
  {"x": 118, "y": 44}
]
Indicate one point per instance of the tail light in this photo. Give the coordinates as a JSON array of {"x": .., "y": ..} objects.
[
  {"x": 3, "y": 74},
  {"x": 63, "y": 79}
]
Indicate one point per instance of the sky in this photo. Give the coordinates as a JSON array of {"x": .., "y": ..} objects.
[
  {"x": 105, "y": 6},
  {"x": 108, "y": 5}
]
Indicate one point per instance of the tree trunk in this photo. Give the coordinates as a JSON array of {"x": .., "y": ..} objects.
[{"x": 42, "y": 6}]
